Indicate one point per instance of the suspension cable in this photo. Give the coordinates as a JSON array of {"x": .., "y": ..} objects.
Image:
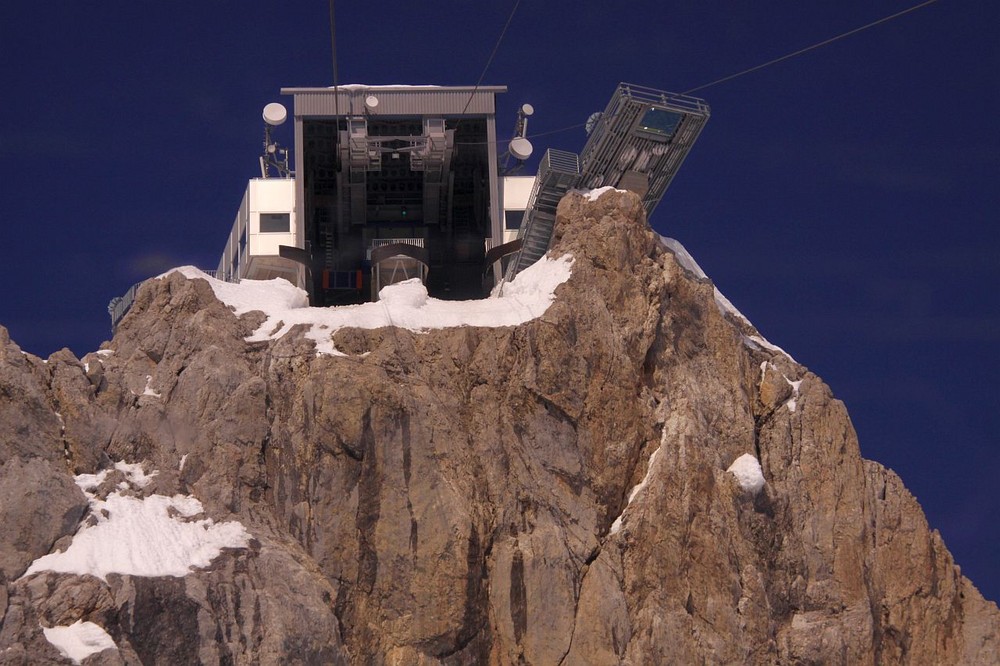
[
  {"x": 492, "y": 55},
  {"x": 333, "y": 48},
  {"x": 775, "y": 61},
  {"x": 810, "y": 48}
]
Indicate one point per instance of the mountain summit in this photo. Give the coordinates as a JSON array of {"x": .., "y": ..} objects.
[{"x": 605, "y": 464}]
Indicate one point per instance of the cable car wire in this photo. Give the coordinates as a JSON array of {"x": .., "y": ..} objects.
[
  {"x": 333, "y": 48},
  {"x": 775, "y": 61},
  {"x": 809, "y": 48},
  {"x": 492, "y": 55}
]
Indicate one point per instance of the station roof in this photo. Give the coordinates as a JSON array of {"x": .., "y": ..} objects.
[{"x": 395, "y": 100}]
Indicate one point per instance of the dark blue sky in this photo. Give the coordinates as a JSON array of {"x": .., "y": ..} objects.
[{"x": 845, "y": 200}]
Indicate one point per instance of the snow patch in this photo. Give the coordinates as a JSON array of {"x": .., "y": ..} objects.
[
  {"x": 134, "y": 474},
  {"x": 151, "y": 536},
  {"x": 747, "y": 471},
  {"x": 411, "y": 294},
  {"x": 404, "y": 305},
  {"x": 104, "y": 352},
  {"x": 792, "y": 403},
  {"x": 149, "y": 388},
  {"x": 79, "y": 640},
  {"x": 724, "y": 305},
  {"x": 683, "y": 257},
  {"x": 759, "y": 342},
  {"x": 365, "y": 86},
  {"x": 88, "y": 482},
  {"x": 595, "y": 194},
  {"x": 617, "y": 524}
]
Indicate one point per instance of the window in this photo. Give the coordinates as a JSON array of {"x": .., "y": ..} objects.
[
  {"x": 513, "y": 219},
  {"x": 275, "y": 223},
  {"x": 661, "y": 121}
]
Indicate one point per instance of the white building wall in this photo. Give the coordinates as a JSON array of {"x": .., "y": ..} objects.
[
  {"x": 516, "y": 192},
  {"x": 251, "y": 251},
  {"x": 271, "y": 195}
]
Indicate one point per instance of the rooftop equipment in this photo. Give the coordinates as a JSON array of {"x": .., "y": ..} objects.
[{"x": 274, "y": 156}]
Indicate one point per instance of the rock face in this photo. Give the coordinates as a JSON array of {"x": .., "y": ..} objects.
[{"x": 551, "y": 493}]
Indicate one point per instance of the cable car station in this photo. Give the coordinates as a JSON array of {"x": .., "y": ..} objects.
[{"x": 397, "y": 182}]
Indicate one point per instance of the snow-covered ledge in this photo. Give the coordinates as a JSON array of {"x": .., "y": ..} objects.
[{"x": 404, "y": 305}]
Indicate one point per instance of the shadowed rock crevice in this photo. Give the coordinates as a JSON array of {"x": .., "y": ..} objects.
[
  {"x": 369, "y": 510},
  {"x": 518, "y": 597},
  {"x": 159, "y": 612}
]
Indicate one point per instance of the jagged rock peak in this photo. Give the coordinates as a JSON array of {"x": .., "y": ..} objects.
[{"x": 581, "y": 487}]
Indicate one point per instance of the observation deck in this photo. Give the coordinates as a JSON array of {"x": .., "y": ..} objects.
[
  {"x": 638, "y": 143},
  {"x": 641, "y": 140}
]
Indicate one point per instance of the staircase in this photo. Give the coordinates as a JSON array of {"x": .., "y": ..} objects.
[{"x": 558, "y": 173}]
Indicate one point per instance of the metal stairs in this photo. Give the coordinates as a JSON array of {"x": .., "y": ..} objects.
[{"x": 558, "y": 173}]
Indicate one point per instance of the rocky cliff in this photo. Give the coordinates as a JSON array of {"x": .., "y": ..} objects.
[{"x": 554, "y": 492}]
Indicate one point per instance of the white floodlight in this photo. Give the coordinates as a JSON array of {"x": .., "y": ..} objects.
[
  {"x": 527, "y": 109},
  {"x": 371, "y": 102}
]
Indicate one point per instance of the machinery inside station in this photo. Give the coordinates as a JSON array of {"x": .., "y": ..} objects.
[{"x": 418, "y": 184}]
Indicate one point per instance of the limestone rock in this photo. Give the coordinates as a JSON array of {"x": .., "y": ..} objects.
[
  {"x": 554, "y": 492},
  {"x": 39, "y": 503},
  {"x": 29, "y": 427}
]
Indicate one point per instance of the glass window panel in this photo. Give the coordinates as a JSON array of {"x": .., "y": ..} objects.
[
  {"x": 275, "y": 223},
  {"x": 514, "y": 218},
  {"x": 661, "y": 121}
]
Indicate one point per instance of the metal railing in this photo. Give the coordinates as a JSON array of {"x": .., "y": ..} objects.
[
  {"x": 120, "y": 305},
  {"x": 379, "y": 242},
  {"x": 560, "y": 161},
  {"x": 662, "y": 97}
]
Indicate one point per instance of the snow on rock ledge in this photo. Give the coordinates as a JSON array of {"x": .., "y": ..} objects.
[
  {"x": 725, "y": 306},
  {"x": 616, "y": 526},
  {"x": 79, "y": 640},
  {"x": 150, "y": 536},
  {"x": 405, "y": 305},
  {"x": 748, "y": 474},
  {"x": 595, "y": 194}
]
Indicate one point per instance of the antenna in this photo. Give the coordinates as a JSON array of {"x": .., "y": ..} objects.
[
  {"x": 275, "y": 114},
  {"x": 519, "y": 147},
  {"x": 274, "y": 156},
  {"x": 592, "y": 121}
]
